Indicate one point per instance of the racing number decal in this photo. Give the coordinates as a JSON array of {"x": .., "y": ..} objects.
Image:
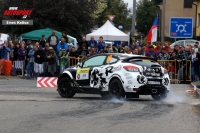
[{"x": 82, "y": 74}]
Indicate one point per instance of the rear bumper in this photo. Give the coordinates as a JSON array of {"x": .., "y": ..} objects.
[{"x": 149, "y": 90}]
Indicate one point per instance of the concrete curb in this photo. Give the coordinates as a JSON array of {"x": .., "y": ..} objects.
[{"x": 197, "y": 90}]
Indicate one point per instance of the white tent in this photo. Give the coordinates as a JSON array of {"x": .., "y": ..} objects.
[{"x": 108, "y": 32}]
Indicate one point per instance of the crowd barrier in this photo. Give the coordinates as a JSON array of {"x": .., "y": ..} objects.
[
  {"x": 178, "y": 71},
  {"x": 19, "y": 66}
]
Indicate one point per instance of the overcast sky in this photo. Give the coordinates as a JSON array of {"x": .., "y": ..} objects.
[{"x": 130, "y": 3}]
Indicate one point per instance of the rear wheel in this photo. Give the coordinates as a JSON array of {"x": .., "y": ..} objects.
[
  {"x": 65, "y": 88},
  {"x": 116, "y": 89}
]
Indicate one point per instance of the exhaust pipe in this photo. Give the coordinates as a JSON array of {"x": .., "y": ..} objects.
[{"x": 154, "y": 91}]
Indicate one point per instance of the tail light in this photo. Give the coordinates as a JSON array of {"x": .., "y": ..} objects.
[
  {"x": 165, "y": 71},
  {"x": 131, "y": 68}
]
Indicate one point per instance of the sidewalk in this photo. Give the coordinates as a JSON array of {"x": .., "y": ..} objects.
[
  {"x": 195, "y": 84},
  {"x": 2, "y": 77}
]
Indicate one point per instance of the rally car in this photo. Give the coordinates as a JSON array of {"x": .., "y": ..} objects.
[{"x": 115, "y": 75}]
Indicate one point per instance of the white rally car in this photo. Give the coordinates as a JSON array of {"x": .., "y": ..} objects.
[{"x": 118, "y": 75}]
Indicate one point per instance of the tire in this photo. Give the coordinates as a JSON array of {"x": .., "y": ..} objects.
[
  {"x": 159, "y": 97},
  {"x": 65, "y": 89},
  {"x": 105, "y": 95},
  {"x": 116, "y": 89}
]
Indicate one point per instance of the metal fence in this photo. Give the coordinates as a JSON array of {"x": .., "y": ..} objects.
[{"x": 178, "y": 71}]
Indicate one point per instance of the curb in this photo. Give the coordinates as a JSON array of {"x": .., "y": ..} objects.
[{"x": 196, "y": 90}]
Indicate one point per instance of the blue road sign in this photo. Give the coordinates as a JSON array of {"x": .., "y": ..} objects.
[{"x": 181, "y": 27}]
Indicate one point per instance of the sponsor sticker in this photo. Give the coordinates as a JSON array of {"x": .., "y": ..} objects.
[
  {"x": 130, "y": 82},
  {"x": 127, "y": 74},
  {"x": 82, "y": 74},
  {"x": 129, "y": 77}
]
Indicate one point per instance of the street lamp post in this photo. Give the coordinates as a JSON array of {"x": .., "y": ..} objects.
[
  {"x": 163, "y": 22},
  {"x": 133, "y": 17}
]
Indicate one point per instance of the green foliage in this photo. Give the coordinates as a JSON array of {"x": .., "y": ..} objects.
[
  {"x": 121, "y": 12},
  {"x": 145, "y": 15}
]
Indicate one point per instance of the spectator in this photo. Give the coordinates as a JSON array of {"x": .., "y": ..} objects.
[
  {"x": 151, "y": 52},
  {"x": 147, "y": 47},
  {"x": 192, "y": 58},
  {"x": 176, "y": 49},
  {"x": 63, "y": 60},
  {"x": 70, "y": 43},
  {"x": 37, "y": 45},
  {"x": 45, "y": 63},
  {"x": 140, "y": 51},
  {"x": 51, "y": 59},
  {"x": 101, "y": 44},
  {"x": 16, "y": 51},
  {"x": 136, "y": 52},
  {"x": 62, "y": 45},
  {"x": 1, "y": 41},
  {"x": 195, "y": 48},
  {"x": 81, "y": 43},
  {"x": 12, "y": 47},
  {"x": 64, "y": 35},
  {"x": 39, "y": 57},
  {"x": 83, "y": 53},
  {"x": 158, "y": 48},
  {"x": 92, "y": 43},
  {"x": 120, "y": 48},
  {"x": 198, "y": 62},
  {"x": 115, "y": 50},
  {"x": 167, "y": 47},
  {"x": 181, "y": 59},
  {"x": 72, "y": 56},
  {"x": 92, "y": 51},
  {"x": 126, "y": 50},
  {"x": 4, "y": 51},
  {"x": 30, "y": 66},
  {"x": 162, "y": 55},
  {"x": 53, "y": 40},
  {"x": 22, "y": 53},
  {"x": 42, "y": 41}
]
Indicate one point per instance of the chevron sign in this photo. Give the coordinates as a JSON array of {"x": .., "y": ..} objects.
[{"x": 47, "y": 82}]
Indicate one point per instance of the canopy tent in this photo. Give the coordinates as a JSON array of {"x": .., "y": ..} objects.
[
  {"x": 36, "y": 35},
  {"x": 108, "y": 32}
]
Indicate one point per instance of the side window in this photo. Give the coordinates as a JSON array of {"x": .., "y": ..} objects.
[
  {"x": 113, "y": 60},
  {"x": 95, "y": 61}
]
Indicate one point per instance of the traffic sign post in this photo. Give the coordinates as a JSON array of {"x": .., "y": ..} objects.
[{"x": 181, "y": 27}]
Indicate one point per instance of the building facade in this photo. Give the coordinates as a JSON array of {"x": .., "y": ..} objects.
[{"x": 176, "y": 8}]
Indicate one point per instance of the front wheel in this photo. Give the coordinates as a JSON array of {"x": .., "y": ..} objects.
[
  {"x": 159, "y": 97},
  {"x": 65, "y": 88},
  {"x": 116, "y": 89}
]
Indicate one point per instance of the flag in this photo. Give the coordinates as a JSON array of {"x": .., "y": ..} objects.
[{"x": 152, "y": 35}]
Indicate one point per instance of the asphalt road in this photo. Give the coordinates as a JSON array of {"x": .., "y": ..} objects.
[{"x": 27, "y": 109}]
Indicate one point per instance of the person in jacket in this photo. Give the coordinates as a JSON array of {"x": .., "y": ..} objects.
[
  {"x": 21, "y": 52},
  {"x": 101, "y": 44},
  {"x": 62, "y": 45},
  {"x": 64, "y": 35},
  {"x": 4, "y": 51},
  {"x": 51, "y": 59},
  {"x": 151, "y": 52},
  {"x": 63, "y": 60},
  {"x": 92, "y": 43},
  {"x": 39, "y": 56},
  {"x": 53, "y": 40},
  {"x": 30, "y": 65}
]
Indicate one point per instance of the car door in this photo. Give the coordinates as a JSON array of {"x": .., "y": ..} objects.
[{"x": 83, "y": 74}]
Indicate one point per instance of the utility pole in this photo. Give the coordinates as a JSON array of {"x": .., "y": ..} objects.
[
  {"x": 163, "y": 22},
  {"x": 133, "y": 17}
]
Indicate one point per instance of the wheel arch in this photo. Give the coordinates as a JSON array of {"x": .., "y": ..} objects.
[
  {"x": 116, "y": 77},
  {"x": 65, "y": 74}
]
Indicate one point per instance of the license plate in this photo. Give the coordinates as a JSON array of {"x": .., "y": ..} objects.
[
  {"x": 154, "y": 82},
  {"x": 155, "y": 74}
]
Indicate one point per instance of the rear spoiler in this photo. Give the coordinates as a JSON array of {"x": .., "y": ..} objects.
[{"x": 139, "y": 57}]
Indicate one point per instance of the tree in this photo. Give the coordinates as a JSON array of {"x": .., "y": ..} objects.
[
  {"x": 121, "y": 12},
  {"x": 145, "y": 15},
  {"x": 72, "y": 16}
]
